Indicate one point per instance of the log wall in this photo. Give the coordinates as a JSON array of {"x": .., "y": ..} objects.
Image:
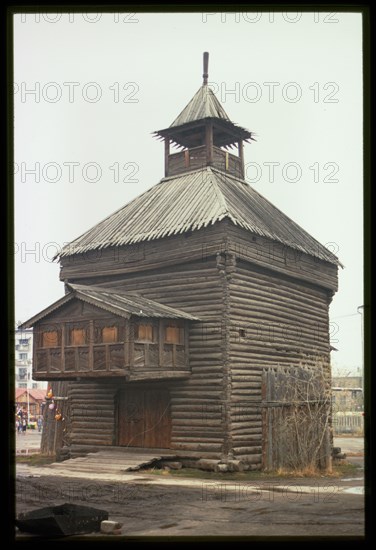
[
  {"x": 200, "y": 245},
  {"x": 275, "y": 321},
  {"x": 261, "y": 304},
  {"x": 196, "y": 403},
  {"x": 92, "y": 412}
]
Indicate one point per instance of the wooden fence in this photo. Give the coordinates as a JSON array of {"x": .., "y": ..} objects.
[
  {"x": 348, "y": 423},
  {"x": 296, "y": 418}
]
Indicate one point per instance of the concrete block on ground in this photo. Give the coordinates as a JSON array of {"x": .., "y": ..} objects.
[{"x": 109, "y": 527}]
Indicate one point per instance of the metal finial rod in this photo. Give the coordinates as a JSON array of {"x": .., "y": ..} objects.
[{"x": 206, "y": 67}]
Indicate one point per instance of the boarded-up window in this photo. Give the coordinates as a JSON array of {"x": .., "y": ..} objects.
[
  {"x": 144, "y": 333},
  {"x": 77, "y": 337},
  {"x": 174, "y": 335},
  {"x": 50, "y": 339},
  {"x": 109, "y": 334}
]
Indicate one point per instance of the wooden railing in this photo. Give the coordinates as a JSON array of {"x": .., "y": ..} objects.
[
  {"x": 110, "y": 359},
  {"x": 195, "y": 158}
]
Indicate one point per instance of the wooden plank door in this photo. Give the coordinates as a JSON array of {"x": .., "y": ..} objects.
[
  {"x": 130, "y": 419},
  {"x": 144, "y": 418}
]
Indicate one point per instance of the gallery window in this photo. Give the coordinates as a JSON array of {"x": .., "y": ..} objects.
[
  {"x": 50, "y": 339},
  {"x": 174, "y": 334},
  {"x": 109, "y": 335},
  {"x": 78, "y": 337},
  {"x": 144, "y": 332}
]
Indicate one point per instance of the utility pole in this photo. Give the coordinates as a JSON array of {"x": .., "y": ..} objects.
[
  {"x": 28, "y": 403},
  {"x": 360, "y": 310}
]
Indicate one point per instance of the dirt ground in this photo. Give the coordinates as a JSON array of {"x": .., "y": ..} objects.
[{"x": 267, "y": 508}]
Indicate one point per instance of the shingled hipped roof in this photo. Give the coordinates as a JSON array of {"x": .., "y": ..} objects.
[
  {"x": 204, "y": 105},
  {"x": 192, "y": 201},
  {"x": 115, "y": 301}
]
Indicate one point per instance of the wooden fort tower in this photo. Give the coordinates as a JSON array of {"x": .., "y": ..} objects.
[{"x": 178, "y": 302}]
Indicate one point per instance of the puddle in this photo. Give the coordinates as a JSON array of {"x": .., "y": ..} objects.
[{"x": 354, "y": 491}]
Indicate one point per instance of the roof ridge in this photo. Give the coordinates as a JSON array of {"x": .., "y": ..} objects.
[{"x": 218, "y": 193}]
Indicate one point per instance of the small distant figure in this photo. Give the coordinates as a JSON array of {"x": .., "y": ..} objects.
[
  {"x": 40, "y": 423},
  {"x": 24, "y": 426},
  {"x": 17, "y": 425}
]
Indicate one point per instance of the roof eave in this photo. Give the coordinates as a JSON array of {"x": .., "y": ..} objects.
[
  {"x": 82, "y": 295},
  {"x": 238, "y": 131}
]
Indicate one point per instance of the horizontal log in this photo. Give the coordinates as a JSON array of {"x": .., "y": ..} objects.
[
  {"x": 91, "y": 439},
  {"x": 268, "y": 283},
  {"x": 272, "y": 256},
  {"x": 250, "y": 450},
  {"x": 259, "y": 354},
  {"x": 202, "y": 439},
  {"x": 245, "y": 290},
  {"x": 241, "y": 372},
  {"x": 250, "y": 440},
  {"x": 197, "y": 447},
  {"x": 213, "y": 356},
  {"x": 244, "y": 394},
  {"x": 99, "y": 424},
  {"x": 249, "y": 458},
  {"x": 201, "y": 362},
  {"x": 210, "y": 378},
  {"x": 250, "y": 430},
  {"x": 243, "y": 384},
  {"x": 262, "y": 316},
  {"x": 192, "y": 406},
  {"x": 209, "y": 435},
  {"x": 155, "y": 375},
  {"x": 246, "y": 422},
  {"x": 203, "y": 425},
  {"x": 246, "y": 429},
  {"x": 195, "y": 392}
]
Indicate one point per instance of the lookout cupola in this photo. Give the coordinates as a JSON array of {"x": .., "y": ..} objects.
[{"x": 205, "y": 134}]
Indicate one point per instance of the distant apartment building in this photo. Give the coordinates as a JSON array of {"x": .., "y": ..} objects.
[{"x": 24, "y": 361}]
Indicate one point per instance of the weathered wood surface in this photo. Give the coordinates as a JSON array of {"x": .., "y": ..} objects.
[
  {"x": 274, "y": 321},
  {"x": 296, "y": 418},
  {"x": 258, "y": 309},
  {"x": 201, "y": 245},
  {"x": 126, "y": 356},
  {"x": 187, "y": 288}
]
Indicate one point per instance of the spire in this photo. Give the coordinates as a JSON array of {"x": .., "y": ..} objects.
[{"x": 206, "y": 68}]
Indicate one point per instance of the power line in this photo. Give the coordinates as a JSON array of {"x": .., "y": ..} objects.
[{"x": 343, "y": 316}]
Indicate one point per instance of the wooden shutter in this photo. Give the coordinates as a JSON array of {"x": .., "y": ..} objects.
[
  {"x": 144, "y": 333},
  {"x": 50, "y": 339},
  {"x": 109, "y": 334},
  {"x": 78, "y": 336}
]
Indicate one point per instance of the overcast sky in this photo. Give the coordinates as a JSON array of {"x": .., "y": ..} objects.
[{"x": 90, "y": 89}]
